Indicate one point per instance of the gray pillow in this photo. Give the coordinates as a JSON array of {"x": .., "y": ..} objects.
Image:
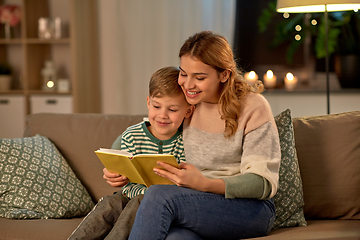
[
  {"x": 289, "y": 200},
  {"x": 37, "y": 182}
]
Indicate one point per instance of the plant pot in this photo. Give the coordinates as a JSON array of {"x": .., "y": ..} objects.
[
  {"x": 5, "y": 82},
  {"x": 347, "y": 68}
]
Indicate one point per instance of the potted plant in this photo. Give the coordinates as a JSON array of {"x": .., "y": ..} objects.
[
  {"x": 5, "y": 76},
  {"x": 347, "y": 58},
  {"x": 343, "y": 38}
]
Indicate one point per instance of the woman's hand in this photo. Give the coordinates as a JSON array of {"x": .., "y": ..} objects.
[
  {"x": 189, "y": 176},
  {"x": 114, "y": 179}
]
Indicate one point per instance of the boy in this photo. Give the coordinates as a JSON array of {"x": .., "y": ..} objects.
[{"x": 160, "y": 133}]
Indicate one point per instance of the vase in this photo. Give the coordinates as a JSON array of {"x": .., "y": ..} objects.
[
  {"x": 7, "y": 31},
  {"x": 347, "y": 68}
]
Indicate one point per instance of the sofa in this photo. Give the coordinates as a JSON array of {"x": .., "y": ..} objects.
[{"x": 326, "y": 157}]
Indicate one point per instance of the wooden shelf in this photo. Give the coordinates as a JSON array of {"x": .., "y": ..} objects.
[
  {"x": 11, "y": 41},
  {"x": 75, "y": 55},
  {"x": 47, "y": 41}
]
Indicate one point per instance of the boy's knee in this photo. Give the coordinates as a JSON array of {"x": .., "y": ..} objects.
[{"x": 117, "y": 201}]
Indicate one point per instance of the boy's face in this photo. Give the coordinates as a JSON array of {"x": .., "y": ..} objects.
[{"x": 166, "y": 114}]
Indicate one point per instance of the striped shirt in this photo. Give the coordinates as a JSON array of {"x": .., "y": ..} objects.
[{"x": 137, "y": 139}]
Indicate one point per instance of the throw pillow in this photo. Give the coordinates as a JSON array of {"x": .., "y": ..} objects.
[
  {"x": 37, "y": 182},
  {"x": 289, "y": 199}
]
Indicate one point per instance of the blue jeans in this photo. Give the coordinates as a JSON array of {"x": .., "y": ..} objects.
[{"x": 172, "y": 212}]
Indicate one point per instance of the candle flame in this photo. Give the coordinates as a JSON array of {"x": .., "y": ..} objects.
[
  {"x": 252, "y": 74},
  {"x": 269, "y": 74},
  {"x": 290, "y": 76}
]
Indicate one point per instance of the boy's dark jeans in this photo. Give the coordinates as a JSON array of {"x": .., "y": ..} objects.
[{"x": 111, "y": 218}]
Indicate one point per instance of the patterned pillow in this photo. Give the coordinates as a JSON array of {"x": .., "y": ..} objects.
[
  {"x": 37, "y": 182},
  {"x": 289, "y": 200}
]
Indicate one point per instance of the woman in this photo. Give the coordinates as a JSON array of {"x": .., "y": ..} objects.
[{"x": 225, "y": 188}]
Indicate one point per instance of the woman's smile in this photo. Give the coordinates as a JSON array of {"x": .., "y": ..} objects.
[{"x": 192, "y": 94}]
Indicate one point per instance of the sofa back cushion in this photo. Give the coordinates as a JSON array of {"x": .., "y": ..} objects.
[
  {"x": 77, "y": 136},
  {"x": 328, "y": 149}
]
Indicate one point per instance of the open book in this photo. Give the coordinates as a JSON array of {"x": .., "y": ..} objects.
[{"x": 139, "y": 168}]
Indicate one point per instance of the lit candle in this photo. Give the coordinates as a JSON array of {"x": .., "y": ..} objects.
[
  {"x": 269, "y": 79},
  {"x": 251, "y": 77},
  {"x": 290, "y": 81}
]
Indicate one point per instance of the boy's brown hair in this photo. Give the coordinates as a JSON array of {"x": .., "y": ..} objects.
[{"x": 164, "y": 82}]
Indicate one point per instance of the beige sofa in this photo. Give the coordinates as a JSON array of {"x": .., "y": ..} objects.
[{"x": 328, "y": 150}]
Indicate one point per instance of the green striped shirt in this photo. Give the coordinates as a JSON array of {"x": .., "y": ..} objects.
[{"x": 138, "y": 140}]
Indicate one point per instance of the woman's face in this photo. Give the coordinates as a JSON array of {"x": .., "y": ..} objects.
[{"x": 199, "y": 81}]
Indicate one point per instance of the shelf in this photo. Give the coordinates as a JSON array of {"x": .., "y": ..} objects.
[
  {"x": 40, "y": 92},
  {"x": 47, "y": 41},
  {"x": 11, "y": 41},
  {"x": 12, "y": 92},
  {"x": 34, "y": 41},
  {"x": 75, "y": 55}
]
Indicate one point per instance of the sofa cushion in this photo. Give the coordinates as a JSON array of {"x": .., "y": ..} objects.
[
  {"x": 328, "y": 150},
  {"x": 289, "y": 199},
  {"x": 37, "y": 229},
  {"x": 37, "y": 182},
  {"x": 318, "y": 230}
]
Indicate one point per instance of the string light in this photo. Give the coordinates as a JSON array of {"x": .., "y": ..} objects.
[
  {"x": 297, "y": 37},
  {"x": 286, "y": 15},
  {"x": 313, "y": 22},
  {"x": 298, "y": 28}
]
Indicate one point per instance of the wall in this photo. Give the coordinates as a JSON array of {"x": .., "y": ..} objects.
[
  {"x": 139, "y": 37},
  {"x": 108, "y": 60}
]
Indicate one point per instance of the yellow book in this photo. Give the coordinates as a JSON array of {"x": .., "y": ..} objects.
[{"x": 138, "y": 168}]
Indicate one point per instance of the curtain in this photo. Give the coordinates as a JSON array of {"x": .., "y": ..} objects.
[{"x": 149, "y": 35}]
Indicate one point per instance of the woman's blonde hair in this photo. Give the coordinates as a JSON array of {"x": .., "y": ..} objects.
[
  {"x": 213, "y": 50},
  {"x": 164, "y": 82}
]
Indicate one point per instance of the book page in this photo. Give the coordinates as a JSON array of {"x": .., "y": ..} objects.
[
  {"x": 120, "y": 164},
  {"x": 145, "y": 163},
  {"x": 115, "y": 151}
]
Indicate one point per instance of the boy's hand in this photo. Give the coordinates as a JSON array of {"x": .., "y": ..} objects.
[
  {"x": 189, "y": 176},
  {"x": 114, "y": 179}
]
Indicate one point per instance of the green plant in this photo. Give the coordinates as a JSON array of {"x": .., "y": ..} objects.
[
  {"x": 343, "y": 34},
  {"x": 5, "y": 69}
]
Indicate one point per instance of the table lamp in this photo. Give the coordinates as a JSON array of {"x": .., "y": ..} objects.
[{"x": 308, "y": 6}]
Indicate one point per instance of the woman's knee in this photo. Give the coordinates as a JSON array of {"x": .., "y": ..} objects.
[
  {"x": 158, "y": 190},
  {"x": 159, "y": 194}
]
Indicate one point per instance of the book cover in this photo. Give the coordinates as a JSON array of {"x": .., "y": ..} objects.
[{"x": 138, "y": 168}]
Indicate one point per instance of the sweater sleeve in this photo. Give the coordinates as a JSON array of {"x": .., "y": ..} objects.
[
  {"x": 117, "y": 143},
  {"x": 252, "y": 186},
  {"x": 261, "y": 155}
]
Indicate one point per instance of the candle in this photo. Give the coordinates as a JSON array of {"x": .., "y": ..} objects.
[
  {"x": 251, "y": 77},
  {"x": 269, "y": 79},
  {"x": 290, "y": 81}
]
